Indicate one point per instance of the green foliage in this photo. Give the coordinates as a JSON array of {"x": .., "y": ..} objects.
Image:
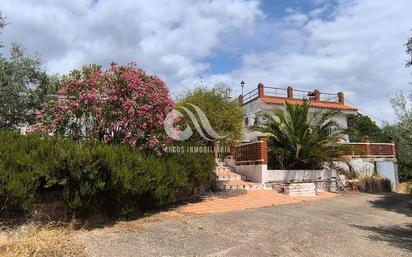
[
  {"x": 401, "y": 132},
  {"x": 24, "y": 87},
  {"x": 360, "y": 125},
  {"x": 115, "y": 179},
  {"x": 2, "y": 24},
  {"x": 299, "y": 140},
  {"x": 223, "y": 112},
  {"x": 409, "y": 188},
  {"x": 409, "y": 51},
  {"x": 20, "y": 168}
]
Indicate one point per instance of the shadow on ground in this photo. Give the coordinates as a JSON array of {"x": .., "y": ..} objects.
[
  {"x": 394, "y": 202},
  {"x": 398, "y": 236},
  {"x": 100, "y": 221}
]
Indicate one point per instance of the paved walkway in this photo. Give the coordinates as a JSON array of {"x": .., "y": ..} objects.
[
  {"x": 361, "y": 225},
  {"x": 251, "y": 199}
]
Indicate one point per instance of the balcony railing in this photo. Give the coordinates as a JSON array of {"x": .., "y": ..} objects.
[
  {"x": 250, "y": 95},
  {"x": 290, "y": 93},
  {"x": 366, "y": 149}
]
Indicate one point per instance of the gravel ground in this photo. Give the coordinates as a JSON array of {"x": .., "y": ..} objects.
[{"x": 353, "y": 224}]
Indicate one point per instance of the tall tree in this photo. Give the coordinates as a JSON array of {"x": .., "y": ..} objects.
[
  {"x": 401, "y": 132},
  {"x": 360, "y": 125},
  {"x": 222, "y": 111},
  {"x": 24, "y": 87},
  {"x": 409, "y": 51},
  {"x": 2, "y": 24}
]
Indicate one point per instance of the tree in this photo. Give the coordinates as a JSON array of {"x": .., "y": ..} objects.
[
  {"x": 401, "y": 132},
  {"x": 119, "y": 105},
  {"x": 409, "y": 51},
  {"x": 24, "y": 87},
  {"x": 2, "y": 25},
  {"x": 223, "y": 112},
  {"x": 360, "y": 125},
  {"x": 297, "y": 140}
]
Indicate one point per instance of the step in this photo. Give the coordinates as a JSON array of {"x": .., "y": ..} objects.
[
  {"x": 239, "y": 185},
  {"x": 224, "y": 174}
]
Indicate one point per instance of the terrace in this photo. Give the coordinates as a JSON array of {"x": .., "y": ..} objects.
[{"x": 275, "y": 95}]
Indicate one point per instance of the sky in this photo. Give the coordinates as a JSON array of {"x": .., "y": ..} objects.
[{"x": 354, "y": 46}]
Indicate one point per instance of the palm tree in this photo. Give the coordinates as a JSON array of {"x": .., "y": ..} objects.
[{"x": 298, "y": 139}]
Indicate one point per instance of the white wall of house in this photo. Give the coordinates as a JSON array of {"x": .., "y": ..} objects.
[
  {"x": 389, "y": 170},
  {"x": 251, "y": 111}
]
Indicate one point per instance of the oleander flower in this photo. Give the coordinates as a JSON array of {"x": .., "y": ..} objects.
[{"x": 119, "y": 105}]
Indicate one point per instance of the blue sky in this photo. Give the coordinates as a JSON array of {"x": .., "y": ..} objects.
[
  {"x": 226, "y": 60},
  {"x": 354, "y": 46}
]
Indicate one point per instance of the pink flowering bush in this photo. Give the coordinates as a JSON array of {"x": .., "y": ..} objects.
[{"x": 120, "y": 105}]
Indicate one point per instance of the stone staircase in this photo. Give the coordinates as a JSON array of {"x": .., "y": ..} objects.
[{"x": 228, "y": 179}]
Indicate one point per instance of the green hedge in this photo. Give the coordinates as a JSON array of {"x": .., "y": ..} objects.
[{"x": 95, "y": 177}]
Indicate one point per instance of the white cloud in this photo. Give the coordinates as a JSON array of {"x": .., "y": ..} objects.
[
  {"x": 359, "y": 49},
  {"x": 168, "y": 38},
  {"x": 355, "y": 46}
]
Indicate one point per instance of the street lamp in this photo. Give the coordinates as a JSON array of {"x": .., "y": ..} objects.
[{"x": 242, "y": 84}]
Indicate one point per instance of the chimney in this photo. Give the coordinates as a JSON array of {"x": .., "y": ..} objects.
[
  {"x": 341, "y": 98},
  {"x": 316, "y": 94},
  {"x": 261, "y": 90},
  {"x": 290, "y": 92},
  {"x": 241, "y": 100}
]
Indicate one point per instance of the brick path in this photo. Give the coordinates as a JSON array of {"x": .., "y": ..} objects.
[{"x": 251, "y": 199}]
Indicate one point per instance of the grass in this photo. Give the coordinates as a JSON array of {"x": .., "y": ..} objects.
[
  {"x": 39, "y": 241},
  {"x": 403, "y": 188}
]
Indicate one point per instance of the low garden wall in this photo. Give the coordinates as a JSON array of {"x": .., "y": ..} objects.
[
  {"x": 369, "y": 166},
  {"x": 298, "y": 175},
  {"x": 324, "y": 180},
  {"x": 261, "y": 174}
]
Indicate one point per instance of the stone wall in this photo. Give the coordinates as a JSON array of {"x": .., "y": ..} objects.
[
  {"x": 300, "y": 189},
  {"x": 385, "y": 167}
]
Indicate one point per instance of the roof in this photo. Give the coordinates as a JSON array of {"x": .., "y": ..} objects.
[{"x": 316, "y": 104}]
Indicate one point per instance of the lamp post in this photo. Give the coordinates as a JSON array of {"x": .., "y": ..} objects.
[{"x": 242, "y": 84}]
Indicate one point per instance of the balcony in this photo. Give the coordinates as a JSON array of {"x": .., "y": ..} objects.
[
  {"x": 275, "y": 95},
  {"x": 371, "y": 150}
]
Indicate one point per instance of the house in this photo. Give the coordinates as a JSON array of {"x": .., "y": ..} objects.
[
  {"x": 250, "y": 159},
  {"x": 265, "y": 99}
]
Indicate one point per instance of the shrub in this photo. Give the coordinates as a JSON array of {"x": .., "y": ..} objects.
[
  {"x": 222, "y": 111},
  {"x": 25, "y": 163},
  {"x": 95, "y": 177},
  {"x": 409, "y": 188},
  {"x": 119, "y": 105},
  {"x": 375, "y": 184}
]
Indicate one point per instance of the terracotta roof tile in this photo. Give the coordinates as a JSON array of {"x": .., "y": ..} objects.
[{"x": 317, "y": 104}]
